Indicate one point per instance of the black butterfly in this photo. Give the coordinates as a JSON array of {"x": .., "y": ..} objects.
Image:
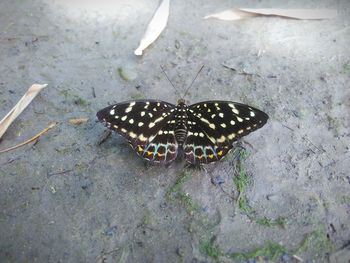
[{"x": 205, "y": 131}]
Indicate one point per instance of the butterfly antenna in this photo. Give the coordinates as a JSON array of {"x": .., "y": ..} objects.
[
  {"x": 193, "y": 81},
  {"x": 168, "y": 79}
]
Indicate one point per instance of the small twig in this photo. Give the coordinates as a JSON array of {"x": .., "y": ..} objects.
[
  {"x": 104, "y": 137},
  {"x": 320, "y": 149},
  {"x": 298, "y": 258},
  {"x": 93, "y": 92},
  {"x": 285, "y": 126},
  {"x": 31, "y": 139},
  {"x": 57, "y": 173}
]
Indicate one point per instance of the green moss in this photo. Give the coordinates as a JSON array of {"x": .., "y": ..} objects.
[
  {"x": 241, "y": 181},
  {"x": 80, "y": 168},
  {"x": 175, "y": 192},
  {"x": 80, "y": 101},
  {"x": 280, "y": 221},
  {"x": 122, "y": 74},
  {"x": 183, "y": 177},
  {"x": 68, "y": 95},
  {"x": 316, "y": 243},
  {"x": 344, "y": 200},
  {"x": 210, "y": 250},
  {"x": 137, "y": 96},
  {"x": 346, "y": 68},
  {"x": 127, "y": 73},
  {"x": 271, "y": 250}
]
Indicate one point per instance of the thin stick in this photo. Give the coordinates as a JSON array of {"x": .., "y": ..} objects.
[
  {"x": 193, "y": 81},
  {"x": 31, "y": 139}
]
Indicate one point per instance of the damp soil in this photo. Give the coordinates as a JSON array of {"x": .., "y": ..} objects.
[{"x": 78, "y": 195}]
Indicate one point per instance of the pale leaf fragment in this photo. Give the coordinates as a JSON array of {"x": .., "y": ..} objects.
[
  {"x": 230, "y": 15},
  {"x": 305, "y": 14},
  {"x": 78, "y": 121},
  {"x": 20, "y": 106},
  {"x": 155, "y": 27}
]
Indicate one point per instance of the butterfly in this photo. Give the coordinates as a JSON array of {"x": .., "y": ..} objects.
[{"x": 204, "y": 132}]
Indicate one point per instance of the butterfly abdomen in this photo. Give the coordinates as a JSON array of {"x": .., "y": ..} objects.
[{"x": 181, "y": 119}]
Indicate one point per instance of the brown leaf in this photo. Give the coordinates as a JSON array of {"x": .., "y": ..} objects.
[{"x": 78, "y": 121}]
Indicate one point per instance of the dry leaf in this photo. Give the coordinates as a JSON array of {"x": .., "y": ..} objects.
[
  {"x": 31, "y": 139},
  {"x": 155, "y": 27},
  {"x": 241, "y": 13},
  {"x": 230, "y": 15},
  {"x": 20, "y": 106},
  {"x": 78, "y": 121}
]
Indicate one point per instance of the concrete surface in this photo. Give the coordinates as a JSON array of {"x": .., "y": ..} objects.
[{"x": 70, "y": 199}]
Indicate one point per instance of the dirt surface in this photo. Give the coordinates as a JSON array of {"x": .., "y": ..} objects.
[{"x": 68, "y": 198}]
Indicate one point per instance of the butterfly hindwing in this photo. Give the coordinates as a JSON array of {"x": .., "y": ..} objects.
[
  {"x": 161, "y": 148},
  {"x": 140, "y": 122},
  {"x": 200, "y": 149}
]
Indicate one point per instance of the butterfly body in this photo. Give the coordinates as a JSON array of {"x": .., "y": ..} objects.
[{"x": 204, "y": 131}]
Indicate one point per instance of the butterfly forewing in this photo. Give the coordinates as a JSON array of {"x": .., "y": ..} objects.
[
  {"x": 140, "y": 122},
  {"x": 218, "y": 124}
]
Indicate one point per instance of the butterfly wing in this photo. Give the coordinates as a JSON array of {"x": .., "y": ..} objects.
[
  {"x": 143, "y": 123},
  {"x": 215, "y": 125}
]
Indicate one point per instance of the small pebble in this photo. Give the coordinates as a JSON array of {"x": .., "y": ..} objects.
[
  {"x": 111, "y": 231},
  {"x": 286, "y": 258},
  {"x": 217, "y": 180}
]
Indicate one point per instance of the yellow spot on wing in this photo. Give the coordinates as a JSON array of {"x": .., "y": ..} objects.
[{"x": 220, "y": 153}]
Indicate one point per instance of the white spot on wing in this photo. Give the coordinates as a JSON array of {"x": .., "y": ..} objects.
[
  {"x": 231, "y": 136},
  {"x": 235, "y": 111},
  {"x": 124, "y": 118},
  {"x": 142, "y": 138},
  {"x": 222, "y": 139},
  {"x": 112, "y": 112},
  {"x": 252, "y": 114},
  {"x": 131, "y": 121},
  {"x": 132, "y": 135},
  {"x": 140, "y": 124},
  {"x": 239, "y": 119},
  {"x": 151, "y": 124}
]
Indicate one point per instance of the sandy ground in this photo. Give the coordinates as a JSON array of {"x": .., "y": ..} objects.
[{"x": 70, "y": 199}]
